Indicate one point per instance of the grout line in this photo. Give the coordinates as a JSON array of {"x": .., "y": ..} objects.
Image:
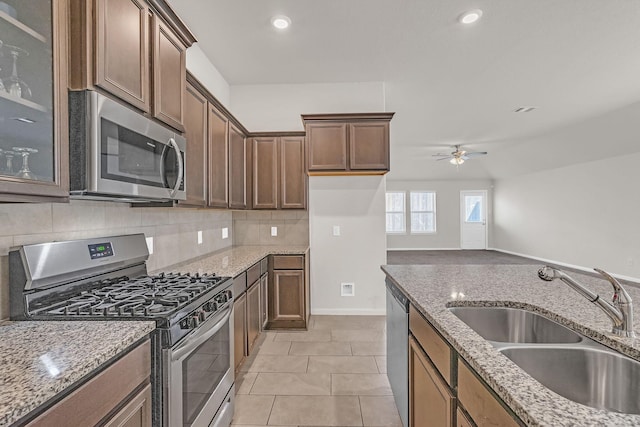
[
  {"x": 273, "y": 403},
  {"x": 360, "y": 407}
]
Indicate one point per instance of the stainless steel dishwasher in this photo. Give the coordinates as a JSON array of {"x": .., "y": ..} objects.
[{"x": 398, "y": 348}]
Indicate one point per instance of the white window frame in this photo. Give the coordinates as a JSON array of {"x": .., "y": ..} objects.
[
  {"x": 410, "y": 211},
  {"x": 403, "y": 212}
]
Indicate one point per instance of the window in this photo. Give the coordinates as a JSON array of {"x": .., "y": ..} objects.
[
  {"x": 423, "y": 212},
  {"x": 395, "y": 212}
]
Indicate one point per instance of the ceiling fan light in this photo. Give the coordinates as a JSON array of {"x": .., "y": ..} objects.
[{"x": 456, "y": 161}]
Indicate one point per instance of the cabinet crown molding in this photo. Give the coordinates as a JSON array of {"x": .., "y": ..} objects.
[{"x": 347, "y": 117}]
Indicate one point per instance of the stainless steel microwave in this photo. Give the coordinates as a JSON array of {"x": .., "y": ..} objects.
[{"x": 116, "y": 153}]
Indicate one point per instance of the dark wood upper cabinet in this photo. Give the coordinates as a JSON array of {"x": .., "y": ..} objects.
[
  {"x": 133, "y": 49},
  {"x": 218, "y": 178},
  {"x": 339, "y": 144},
  {"x": 237, "y": 168},
  {"x": 279, "y": 179},
  {"x": 327, "y": 146},
  {"x": 34, "y": 136},
  {"x": 169, "y": 74},
  {"x": 265, "y": 173},
  {"x": 122, "y": 50},
  {"x": 293, "y": 180},
  {"x": 369, "y": 145},
  {"x": 196, "y": 116}
]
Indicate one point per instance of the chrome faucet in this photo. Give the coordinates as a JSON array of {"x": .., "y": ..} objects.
[{"x": 620, "y": 310}]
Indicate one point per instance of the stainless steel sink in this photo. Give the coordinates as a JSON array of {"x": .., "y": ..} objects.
[
  {"x": 512, "y": 325},
  {"x": 594, "y": 377}
]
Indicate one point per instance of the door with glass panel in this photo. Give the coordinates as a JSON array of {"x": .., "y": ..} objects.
[{"x": 473, "y": 219}]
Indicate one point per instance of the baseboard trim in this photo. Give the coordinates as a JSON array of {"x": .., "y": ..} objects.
[
  {"x": 424, "y": 249},
  {"x": 348, "y": 312},
  {"x": 564, "y": 264}
]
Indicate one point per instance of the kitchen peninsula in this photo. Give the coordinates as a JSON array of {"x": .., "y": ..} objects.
[{"x": 432, "y": 289}]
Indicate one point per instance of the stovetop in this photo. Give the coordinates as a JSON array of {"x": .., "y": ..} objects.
[{"x": 142, "y": 297}]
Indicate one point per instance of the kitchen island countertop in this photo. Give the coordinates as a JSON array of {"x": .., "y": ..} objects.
[
  {"x": 234, "y": 260},
  {"x": 40, "y": 360},
  {"x": 433, "y": 288}
]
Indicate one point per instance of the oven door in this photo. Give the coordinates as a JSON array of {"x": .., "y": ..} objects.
[
  {"x": 200, "y": 374},
  {"x": 132, "y": 155}
]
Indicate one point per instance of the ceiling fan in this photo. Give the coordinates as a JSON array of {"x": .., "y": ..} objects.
[{"x": 459, "y": 156}]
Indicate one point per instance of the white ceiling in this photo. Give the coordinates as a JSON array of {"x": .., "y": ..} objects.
[{"x": 448, "y": 83}]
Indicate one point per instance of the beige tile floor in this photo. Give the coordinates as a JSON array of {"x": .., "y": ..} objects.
[{"x": 334, "y": 374}]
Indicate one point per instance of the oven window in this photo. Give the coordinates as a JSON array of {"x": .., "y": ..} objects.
[{"x": 201, "y": 373}]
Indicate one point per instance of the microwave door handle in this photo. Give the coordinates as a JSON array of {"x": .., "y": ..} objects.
[
  {"x": 205, "y": 331},
  {"x": 163, "y": 173},
  {"x": 176, "y": 187}
]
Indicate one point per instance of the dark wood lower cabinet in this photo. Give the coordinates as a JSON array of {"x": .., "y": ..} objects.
[
  {"x": 137, "y": 413},
  {"x": 123, "y": 388},
  {"x": 253, "y": 315},
  {"x": 430, "y": 400},
  {"x": 286, "y": 306},
  {"x": 239, "y": 330}
]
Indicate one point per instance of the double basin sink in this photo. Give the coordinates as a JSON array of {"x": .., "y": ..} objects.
[{"x": 562, "y": 360}]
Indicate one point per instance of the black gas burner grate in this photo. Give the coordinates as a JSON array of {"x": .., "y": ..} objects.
[{"x": 146, "y": 296}]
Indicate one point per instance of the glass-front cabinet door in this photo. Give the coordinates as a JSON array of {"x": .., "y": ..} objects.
[{"x": 33, "y": 100}]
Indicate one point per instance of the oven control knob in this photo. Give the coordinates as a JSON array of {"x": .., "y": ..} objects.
[
  {"x": 189, "y": 323},
  {"x": 202, "y": 316},
  {"x": 210, "y": 307},
  {"x": 195, "y": 321}
]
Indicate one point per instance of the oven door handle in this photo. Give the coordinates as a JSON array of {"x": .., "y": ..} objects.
[{"x": 202, "y": 334}]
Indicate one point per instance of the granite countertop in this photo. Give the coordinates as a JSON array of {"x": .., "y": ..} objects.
[
  {"x": 433, "y": 288},
  {"x": 38, "y": 360},
  {"x": 235, "y": 260}
]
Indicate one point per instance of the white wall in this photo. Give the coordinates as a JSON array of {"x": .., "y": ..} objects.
[
  {"x": 585, "y": 215},
  {"x": 278, "y": 107},
  {"x": 203, "y": 70},
  {"x": 447, "y": 234},
  {"x": 356, "y": 205}
]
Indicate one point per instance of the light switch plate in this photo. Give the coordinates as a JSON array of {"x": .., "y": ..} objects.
[
  {"x": 199, "y": 237},
  {"x": 225, "y": 232},
  {"x": 274, "y": 231},
  {"x": 336, "y": 230}
]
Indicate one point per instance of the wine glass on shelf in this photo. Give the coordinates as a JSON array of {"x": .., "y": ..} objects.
[
  {"x": 14, "y": 84},
  {"x": 8, "y": 155},
  {"x": 25, "y": 172}
]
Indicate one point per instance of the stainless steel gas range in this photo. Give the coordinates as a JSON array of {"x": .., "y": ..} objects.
[{"x": 106, "y": 278}]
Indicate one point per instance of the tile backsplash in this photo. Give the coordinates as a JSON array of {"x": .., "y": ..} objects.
[
  {"x": 254, "y": 227},
  {"x": 175, "y": 231}
]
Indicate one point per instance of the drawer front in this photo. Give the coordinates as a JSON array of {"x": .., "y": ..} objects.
[
  {"x": 479, "y": 402},
  {"x": 95, "y": 399},
  {"x": 436, "y": 348},
  {"x": 288, "y": 262},
  {"x": 253, "y": 274}
]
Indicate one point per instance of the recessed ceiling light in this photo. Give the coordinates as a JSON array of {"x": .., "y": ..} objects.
[
  {"x": 524, "y": 109},
  {"x": 470, "y": 16},
  {"x": 281, "y": 22}
]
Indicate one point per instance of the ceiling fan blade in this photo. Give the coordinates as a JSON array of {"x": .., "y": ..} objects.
[
  {"x": 441, "y": 155},
  {"x": 444, "y": 158},
  {"x": 476, "y": 154}
]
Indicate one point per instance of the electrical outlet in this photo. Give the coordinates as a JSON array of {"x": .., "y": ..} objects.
[
  {"x": 225, "y": 232},
  {"x": 199, "y": 237},
  {"x": 336, "y": 230},
  {"x": 150, "y": 245},
  {"x": 347, "y": 289},
  {"x": 274, "y": 231}
]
